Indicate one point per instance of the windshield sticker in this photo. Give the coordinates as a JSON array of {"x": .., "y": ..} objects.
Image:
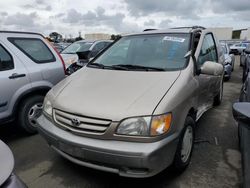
[{"x": 174, "y": 39}]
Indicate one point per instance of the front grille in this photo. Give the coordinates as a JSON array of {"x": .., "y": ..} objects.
[{"x": 80, "y": 124}]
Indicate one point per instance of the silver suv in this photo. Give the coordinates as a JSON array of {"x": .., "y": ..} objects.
[
  {"x": 132, "y": 110},
  {"x": 29, "y": 68}
]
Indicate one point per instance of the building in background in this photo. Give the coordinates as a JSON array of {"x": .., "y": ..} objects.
[
  {"x": 245, "y": 34},
  {"x": 242, "y": 34},
  {"x": 97, "y": 36},
  {"x": 222, "y": 33}
]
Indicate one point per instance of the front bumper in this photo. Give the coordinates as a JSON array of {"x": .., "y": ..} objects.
[
  {"x": 227, "y": 70},
  {"x": 13, "y": 182},
  {"x": 130, "y": 159}
]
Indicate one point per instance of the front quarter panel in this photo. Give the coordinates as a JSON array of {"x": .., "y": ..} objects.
[{"x": 180, "y": 98}]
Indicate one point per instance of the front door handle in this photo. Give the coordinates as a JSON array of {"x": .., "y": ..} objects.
[{"x": 15, "y": 75}]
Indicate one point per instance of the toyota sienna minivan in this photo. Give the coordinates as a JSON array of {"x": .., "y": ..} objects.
[{"x": 132, "y": 109}]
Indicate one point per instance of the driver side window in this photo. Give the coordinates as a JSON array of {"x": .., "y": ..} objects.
[{"x": 208, "y": 50}]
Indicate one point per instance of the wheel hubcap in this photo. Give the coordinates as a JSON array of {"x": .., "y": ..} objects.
[
  {"x": 187, "y": 144},
  {"x": 34, "y": 112}
]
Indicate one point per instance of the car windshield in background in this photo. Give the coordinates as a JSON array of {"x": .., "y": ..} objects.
[
  {"x": 155, "y": 52},
  {"x": 77, "y": 47}
]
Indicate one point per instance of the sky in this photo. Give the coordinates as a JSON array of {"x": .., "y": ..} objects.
[{"x": 69, "y": 17}]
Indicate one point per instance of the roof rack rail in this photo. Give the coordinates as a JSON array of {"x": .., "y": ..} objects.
[
  {"x": 191, "y": 27},
  {"x": 149, "y": 30}
]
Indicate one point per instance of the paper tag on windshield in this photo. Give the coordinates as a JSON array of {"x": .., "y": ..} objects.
[{"x": 174, "y": 39}]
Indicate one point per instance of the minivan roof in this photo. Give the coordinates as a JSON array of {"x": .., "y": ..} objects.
[{"x": 170, "y": 30}]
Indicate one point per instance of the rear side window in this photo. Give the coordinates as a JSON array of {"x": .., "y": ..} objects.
[
  {"x": 6, "y": 61},
  {"x": 34, "y": 48}
]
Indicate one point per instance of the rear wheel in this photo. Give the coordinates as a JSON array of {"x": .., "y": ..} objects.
[
  {"x": 30, "y": 110},
  {"x": 185, "y": 146},
  {"x": 227, "y": 78}
]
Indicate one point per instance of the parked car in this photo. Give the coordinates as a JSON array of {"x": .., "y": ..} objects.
[
  {"x": 132, "y": 110},
  {"x": 60, "y": 46},
  {"x": 70, "y": 56},
  {"x": 237, "y": 49},
  {"x": 243, "y": 56},
  {"x": 29, "y": 68},
  {"x": 7, "y": 178},
  {"x": 246, "y": 64},
  {"x": 241, "y": 112},
  {"x": 229, "y": 61},
  {"x": 84, "y": 58}
]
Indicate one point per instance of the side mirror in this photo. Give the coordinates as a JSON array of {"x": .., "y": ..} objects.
[
  {"x": 241, "y": 112},
  {"x": 212, "y": 68},
  {"x": 247, "y": 51},
  {"x": 83, "y": 55}
]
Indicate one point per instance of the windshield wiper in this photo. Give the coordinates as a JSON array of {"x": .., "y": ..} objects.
[
  {"x": 67, "y": 53},
  {"x": 96, "y": 65},
  {"x": 136, "y": 67}
]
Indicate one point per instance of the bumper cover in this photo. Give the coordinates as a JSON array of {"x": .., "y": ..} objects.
[
  {"x": 227, "y": 70},
  {"x": 130, "y": 159}
]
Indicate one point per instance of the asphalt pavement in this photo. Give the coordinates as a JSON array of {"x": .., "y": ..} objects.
[{"x": 216, "y": 160}]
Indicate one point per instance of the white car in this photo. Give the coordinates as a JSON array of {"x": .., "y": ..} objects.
[
  {"x": 70, "y": 56},
  {"x": 238, "y": 48}
]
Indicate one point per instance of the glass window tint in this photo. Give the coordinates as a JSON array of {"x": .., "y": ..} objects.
[
  {"x": 107, "y": 44},
  {"x": 166, "y": 51},
  {"x": 35, "y": 49},
  {"x": 99, "y": 46},
  {"x": 77, "y": 47},
  {"x": 208, "y": 50},
  {"x": 6, "y": 61}
]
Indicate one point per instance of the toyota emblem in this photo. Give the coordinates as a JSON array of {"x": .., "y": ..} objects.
[{"x": 75, "y": 121}]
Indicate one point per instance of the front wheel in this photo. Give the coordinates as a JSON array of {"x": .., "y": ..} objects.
[
  {"x": 185, "y": 146},
  {"x": 30, "y": 110}
]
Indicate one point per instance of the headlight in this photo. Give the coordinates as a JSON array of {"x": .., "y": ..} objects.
[
  {"x": 145, "y": 126},
  {"x": 47, "y": 106},
  {"x": 73, "y": 60}
]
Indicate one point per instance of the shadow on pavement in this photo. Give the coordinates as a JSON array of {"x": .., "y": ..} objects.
[{"x": 10, "y": 132}]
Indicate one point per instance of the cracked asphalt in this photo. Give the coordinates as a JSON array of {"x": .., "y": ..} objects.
[{"x": 216, "y": 160}]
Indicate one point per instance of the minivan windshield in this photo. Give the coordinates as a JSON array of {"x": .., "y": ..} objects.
[
  {"x": 160, "y": 52},
  {"x": 77, "y": 47}
]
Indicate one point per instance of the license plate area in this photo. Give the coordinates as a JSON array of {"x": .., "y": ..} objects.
[{"x": 71, "y": 150}]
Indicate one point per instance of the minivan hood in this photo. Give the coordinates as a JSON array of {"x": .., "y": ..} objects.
[
  {"x": 7, "y": 162},
  {"x": 114, "y": 94}
]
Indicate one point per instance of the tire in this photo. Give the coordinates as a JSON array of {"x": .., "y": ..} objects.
[
  {"x": 218, "y": 97},
  {"x": 182, "y": 160},
  {"x": 227, "y": 78},
  {"x": 30, "y": 109},
  {"x": 232, "y": 67},
  {"x": 239, "y": 135}
]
